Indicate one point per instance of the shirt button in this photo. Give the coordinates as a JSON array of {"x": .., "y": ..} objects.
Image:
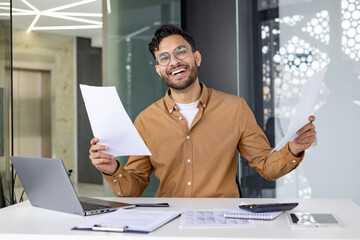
[
  {"x": 294, "y": 161},
  {"x": 188, "y": 160},
  {"x": 120, "y": 175},
  {"x": 189, "y": 183},
  {"x": 118, "y": 193},
  {"x": 187, "y": 137},
  {"x": 204, "y": 105},
  {"x": 114, "y": 180},
  {"x": 170, "y": 110},
  {"x": 180, "y": 118}
]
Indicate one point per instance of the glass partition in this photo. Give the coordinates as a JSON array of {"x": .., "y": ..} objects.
[
  {"x": 43, "y": 85},
  {"x": 316, "y": 34},
  {"x": 128, "y": 64},
  {"x": 6, "y": 190}
]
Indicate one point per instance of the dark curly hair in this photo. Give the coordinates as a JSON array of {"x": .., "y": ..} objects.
[{"x": 165, "y": 31}]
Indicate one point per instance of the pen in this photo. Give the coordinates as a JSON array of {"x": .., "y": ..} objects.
[
  {"x": 151, "y": 204},
  {"x": 99, "y": 227}
]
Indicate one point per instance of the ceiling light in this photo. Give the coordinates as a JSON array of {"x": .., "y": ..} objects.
[
  {"x": 77, "y": 14},
  {"x": 31, "y": 6},
  {"x": 67, "y": 27},
  {"x": 108, "y": 6},
  {"x": 54, "y": 13},
  {"x": 33, "y": 23},
  {"x": 69, "y": 5},
  {"x": 72, "y": 18}
]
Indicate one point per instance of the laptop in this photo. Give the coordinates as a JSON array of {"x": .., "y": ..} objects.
[{"x": 47, "y": 185}]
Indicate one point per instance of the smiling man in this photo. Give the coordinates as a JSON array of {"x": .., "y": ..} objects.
[{"x": 193, "y": 133}]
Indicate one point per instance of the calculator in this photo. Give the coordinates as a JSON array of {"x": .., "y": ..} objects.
[{"x": 269, "y": 207}]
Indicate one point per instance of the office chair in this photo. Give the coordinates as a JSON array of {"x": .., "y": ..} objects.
[{"x": 238, "y": 185}]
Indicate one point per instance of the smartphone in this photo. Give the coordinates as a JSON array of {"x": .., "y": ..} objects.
[
  {"x": 313, "y": 220},
  {"x": 269, "y": 207}
]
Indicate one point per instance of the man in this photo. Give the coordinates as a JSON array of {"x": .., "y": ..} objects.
[{"x": 193, "y": 133}]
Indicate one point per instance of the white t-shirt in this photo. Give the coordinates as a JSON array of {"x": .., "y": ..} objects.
[{"x": 188, "y": 110}]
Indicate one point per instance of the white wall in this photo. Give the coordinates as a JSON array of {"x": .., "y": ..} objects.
[{"x": 329, "y": 32}]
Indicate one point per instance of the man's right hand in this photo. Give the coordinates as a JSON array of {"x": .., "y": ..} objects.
[{"x": 105, "y": 163}]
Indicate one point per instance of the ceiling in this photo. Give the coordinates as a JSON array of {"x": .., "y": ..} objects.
[{"x": 78, "y": 18}]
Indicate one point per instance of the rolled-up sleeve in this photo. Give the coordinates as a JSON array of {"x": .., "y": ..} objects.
[
  {"x": 254, "y": 146},
  {"x": 132, "y": 179}
]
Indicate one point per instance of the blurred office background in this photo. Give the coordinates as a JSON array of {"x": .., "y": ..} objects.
[{"x": 261, "y": 50}]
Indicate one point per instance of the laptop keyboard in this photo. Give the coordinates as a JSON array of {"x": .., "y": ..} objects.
[{"x": 92, "y": 206}]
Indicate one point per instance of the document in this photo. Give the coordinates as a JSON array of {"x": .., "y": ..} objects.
[
  {"x": 110, "y": 122},
  {"x": 129, "y": 220},
  {"x": 305, "y": 107},
  {"x": 210, "y": 218}
]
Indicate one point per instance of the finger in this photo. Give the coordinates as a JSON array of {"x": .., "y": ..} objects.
[
  {"x": 94, "y": 141},
  {"x": 95, "y": 148},
  {"x": 101, "y": 161},
  {"x": 311, "y": 118},
  {"x": 309, "y": 133},
  {"x": 101, "y": 155},
  {"x": 306, "y": 139},
  {"x": 102, "y": 166},
  {"x": 307, "y": 127}
]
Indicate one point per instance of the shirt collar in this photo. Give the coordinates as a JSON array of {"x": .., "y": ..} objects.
[{"x": 171, "y": 106}]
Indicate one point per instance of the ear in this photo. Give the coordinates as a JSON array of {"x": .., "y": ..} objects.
[
  {"x": 197, "y": 58},
  {"x": 157, "y": 68}
]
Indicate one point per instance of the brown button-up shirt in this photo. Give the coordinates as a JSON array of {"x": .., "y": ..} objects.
[{"x": 200, "y": 161}]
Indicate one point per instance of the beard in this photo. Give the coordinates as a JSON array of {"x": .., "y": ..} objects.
[{"x": 184, "y": 83}]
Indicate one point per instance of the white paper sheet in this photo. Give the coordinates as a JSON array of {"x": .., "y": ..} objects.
[
  {"x": 305, "y": 107},
  {"x": 134, "y": 220},
  {"x": 210, "y": 218},
  {"x": 110, "y": 122}
]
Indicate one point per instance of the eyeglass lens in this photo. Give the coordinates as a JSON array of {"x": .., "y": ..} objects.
[{"x": 179, "y": 52}]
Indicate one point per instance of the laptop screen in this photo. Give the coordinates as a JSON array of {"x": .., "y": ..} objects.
[{"x": 47, "y": 185}]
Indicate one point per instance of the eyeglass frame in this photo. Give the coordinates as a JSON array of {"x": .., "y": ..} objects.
[{"x": 173, "y": 53}]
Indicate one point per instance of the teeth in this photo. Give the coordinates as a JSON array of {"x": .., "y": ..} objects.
[{"x": 178, "y": 71}]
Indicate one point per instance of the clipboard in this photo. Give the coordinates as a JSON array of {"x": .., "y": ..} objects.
[{"x": 129, "y": 220}]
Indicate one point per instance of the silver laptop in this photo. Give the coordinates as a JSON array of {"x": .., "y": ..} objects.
[{"x": 47, "y": 185}]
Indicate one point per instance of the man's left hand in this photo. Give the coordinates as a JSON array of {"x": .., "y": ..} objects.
[{"x": 306, "y": 137}]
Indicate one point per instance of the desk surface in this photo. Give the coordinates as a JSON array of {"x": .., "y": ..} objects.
[{"x": 23, "y": 220}]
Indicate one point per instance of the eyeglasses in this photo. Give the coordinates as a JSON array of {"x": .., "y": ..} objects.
[{"x": 180, "y": 53}]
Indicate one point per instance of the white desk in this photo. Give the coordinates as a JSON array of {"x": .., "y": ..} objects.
[{"x": 22, "y": 221}]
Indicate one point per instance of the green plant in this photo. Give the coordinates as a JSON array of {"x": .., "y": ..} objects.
[
  {"x": 10, "y": 198},
  {"x": 2, "y": 196}
]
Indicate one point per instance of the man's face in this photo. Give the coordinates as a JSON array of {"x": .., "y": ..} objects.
[{"x": 178, "y": 74}]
